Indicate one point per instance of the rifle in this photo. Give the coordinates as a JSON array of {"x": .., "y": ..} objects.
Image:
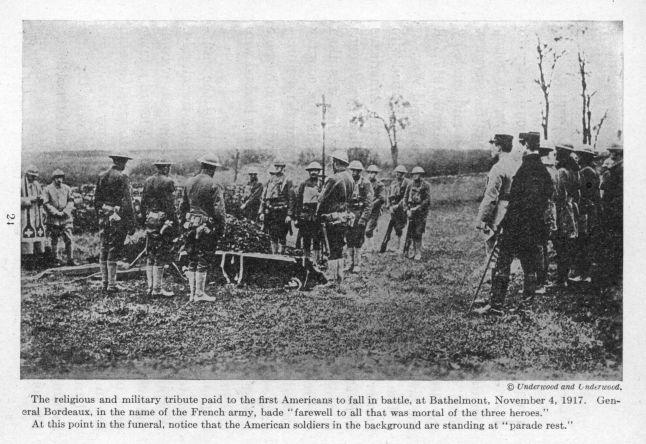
[
  {"x": 493, "y": 252},
  {"x": 389, "y": 232},
  {"x": 299, "y": 240},
  {"x": 407, "y": 239},
  {"x": 326, "y": 244}
]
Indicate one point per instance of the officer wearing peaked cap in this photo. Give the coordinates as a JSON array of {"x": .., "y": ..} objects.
[
  {"x": 252, "y": 196},
  {"x": 396, "y": 195},
  {"x": 332, "y": 208},
  {"x": 203, "y": 214},
  {"x": 378, "y": 201},
  {"x": 116, "y": 214},
  {"x": 59, "y": 204},
  {"x": 360, "y": 205},
  {"x": 161, "y": 224},
  {"x": 277, "y": 207},
  {"x": 305, "y": 212}
]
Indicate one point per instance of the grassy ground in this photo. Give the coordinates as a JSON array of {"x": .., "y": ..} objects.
[{"x": 396, "y": 320}]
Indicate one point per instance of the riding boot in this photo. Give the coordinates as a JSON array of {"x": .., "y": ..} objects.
[
  {"x": 399, "y": 244},
  {"x": 357, "y": 260},
  {"x": 158, "y": 288},
  {"x": 112, "y": 278},
  {"x": 350, "y": 266},
  {"x": 200, "y": 285},
  {"x": 150, "y": 279},
  {"x": 191, "y": 285},
  {"x": 340, "y": 272},
  {"x": 529, "y": 287},
  {"x": 498, "y": 292},
  {"x": 104, "y": 275},
  {"x": 417, "y": 246},
  {"x": 281, "y": 248}
]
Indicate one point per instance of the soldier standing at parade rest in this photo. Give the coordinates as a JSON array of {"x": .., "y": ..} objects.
[
  {"x": 547, "y": 153},
  {"x": 277, "y": 208},
  {"x": 613, "y": 218},
  {"x": 379, "y": 199},
  {"x": 59, "y": 203},
  {"x": 161, "y": 224},
  {"x": 496, "y": 195},
  {"x": 252, "y": 196},
  {"x": 566, "y": 211},
  {"x": 116, "y": 214},
  {"x": 523, "y": 225},
  {"x": 333, "y": 210},
  {"x": 396, "y": 195},
  {"x": 589, "y": 208},
  {"x": 417, "y": 203},
  {"x": 31, "y": 243},
  {"x": 360, "y": 204},
  {"x": 305, "y": 212},
  {"x": 203, "y": 214}
]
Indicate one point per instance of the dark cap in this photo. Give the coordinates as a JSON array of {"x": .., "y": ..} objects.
[
  {"x": 616, "y": 147},
  {"x": 532, "y": 139},
  {"x": 502, "y": 139},
  {"x": 119, "y": 156},
  {"x": 585, "y": 149}
]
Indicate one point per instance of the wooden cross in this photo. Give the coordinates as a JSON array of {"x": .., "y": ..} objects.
[{"x": 324, "y": 106}]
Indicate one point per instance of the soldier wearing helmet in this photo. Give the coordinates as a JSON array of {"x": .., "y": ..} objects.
[
  {"x": 277, "y": 208},
  {"x": 396, "y": 195},
  {"x": 417, "y": 202},
  {"x": 305, "y": 212},
  {"x": 32, "y": 243},
  {"x": 59, "y": 203},
  {"x": 202, "y": 210},
  {"x": 252, "y": 196},
  {"x": 360, "y": 205},
  {"x": 116, "y": 213},
  {"x": 379, "y": 199},
  {"x": 161, "y": 225},
  {"x": 333, "y": 209}
]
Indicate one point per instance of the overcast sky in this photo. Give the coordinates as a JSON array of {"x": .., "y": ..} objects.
[{"x": 222, "y": 85}]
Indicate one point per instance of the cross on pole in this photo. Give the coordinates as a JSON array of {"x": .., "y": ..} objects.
[{"x": 324, "y": 106}]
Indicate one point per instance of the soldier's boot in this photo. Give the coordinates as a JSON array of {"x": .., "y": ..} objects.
[
  {"x": 529, "y": 288},
  {"x": 357, "y": 260},
  {"x": 150, "y": 279},
  {"x": 190, "y": 275},
  {"x": 350, "y": 266},
  {"x": 200, "y": 285},
  {"x": 273, "y": 247},
  {"x": 317, "y": 257},
  {"x": 417, "y": 247},
  {"x": 497, "y": 300},
  {"x": 113, "y": 287},
  {"x": 307, "y": 254},
  {"x": 104, "y": 275},
  {"x": 281, "y": 248},
  {"x": 158, "y": 288},
  {"x": 398, "y": 247},
  {"x": 69, "y": 255},
  {"x": 340, "y": 272},
  {"x": 332, "y": 264}
]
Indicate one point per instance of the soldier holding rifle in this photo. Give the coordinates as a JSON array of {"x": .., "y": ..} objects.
[
  {"x": 277, "y": 208},
  {"x": 379, "y": 199},
  {"x": 398, "y": 217},
  {"x": 416, "y": 202},
  {"x": 360, "y": 205},
  {"x": 305, "y": 212},
  {"x": 252, "y": 196}
]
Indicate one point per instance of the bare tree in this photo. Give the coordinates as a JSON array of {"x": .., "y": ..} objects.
[
  {"x": 547, "y": 56},
  {"x": 586, "y": 99},
  {"x": 395, "y": 119},
  {"x": 597, "y": 128}
]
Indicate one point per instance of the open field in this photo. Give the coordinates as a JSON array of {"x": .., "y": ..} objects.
[{"x": 396, "y": 320}]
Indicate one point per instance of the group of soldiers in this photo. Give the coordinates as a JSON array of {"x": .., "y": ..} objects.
[{"x": 559, "y": 196}]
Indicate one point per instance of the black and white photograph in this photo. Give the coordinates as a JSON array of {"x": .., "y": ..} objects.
[{"x": 322, "y": 200}]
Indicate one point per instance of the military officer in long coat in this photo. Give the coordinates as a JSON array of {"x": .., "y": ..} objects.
[{"x": 59, "y": 204}]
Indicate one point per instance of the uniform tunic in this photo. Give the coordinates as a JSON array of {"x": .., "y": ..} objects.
[
  {"x": 278, "y": 203},
  {"x": 251, "y": 200},
  {"x": 31, "y": 214},
  {"x": 379, "y": 200},
  {"x": 59, "y": 203},
  {"x": 305, "y": 213},
  {"x": 334, "y": 200},
  {"x": 360, "y": 204},
  {"x": 157, "y": 208},
  {"x": 396, "y": 200},
  {"x": 496, "y": 194},
  {"x": 204, "y": 220},
  {"x": 113, "y": 195},
  {"x": 611, "y": 254},
  {"x": 418, "y": 201}
]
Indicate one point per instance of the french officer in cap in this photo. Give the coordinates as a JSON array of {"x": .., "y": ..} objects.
[
  {"x": 161, "y": 224},
  {"x": 332, "y": 209},
  {"x": 396, "y": 195},
  {"x": 277, "y": 207},
  {"x": 204, "y": 221},
  {"x": 305, "y": 212},
  {"x": 360, "y": 205},
  {"x": 252, "y": 196},
  {"x": 116, "y": 214},
  {"x": 417, "y": 202},
  {"x": 59, "y": 204},
  {"x": 378, "y": 201}
]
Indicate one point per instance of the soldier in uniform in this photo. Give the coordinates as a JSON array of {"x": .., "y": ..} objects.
[
  {"x": 116, "y": 214},
  {"x": 496, "y": 195},
  {"x": 566, "y": 211},
  {"x": 523, "y": 225},
  {"x": 305, "y": 212},
  {"x": 612, "y": 204},
  {"x": 333, "y": 210},
  {"x": 396, "y": 195},
  {"x": 360, "y": 204},
  {"x": 32, "y": 243},
  {"x": 379, "y": 199},
  {"x": 203, "y": 214},
  {"x": 589, "y": 208},
  {"x": 547, "y": 152},
  {"x": 59, "y": 203},
  {"x": 252, "y": 196},
  {"x": 161, "y": 224},
  {"x": 277, "y": 208},
  {"x": 417, "y": 202}
]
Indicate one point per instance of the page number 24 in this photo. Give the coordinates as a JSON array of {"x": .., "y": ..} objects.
[{"x": 11, "y": 218}]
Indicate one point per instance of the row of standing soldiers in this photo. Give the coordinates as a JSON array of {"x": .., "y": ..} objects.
[
  {"x": 557, "y": 195},
  {"x": 342, "y": 210}
]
